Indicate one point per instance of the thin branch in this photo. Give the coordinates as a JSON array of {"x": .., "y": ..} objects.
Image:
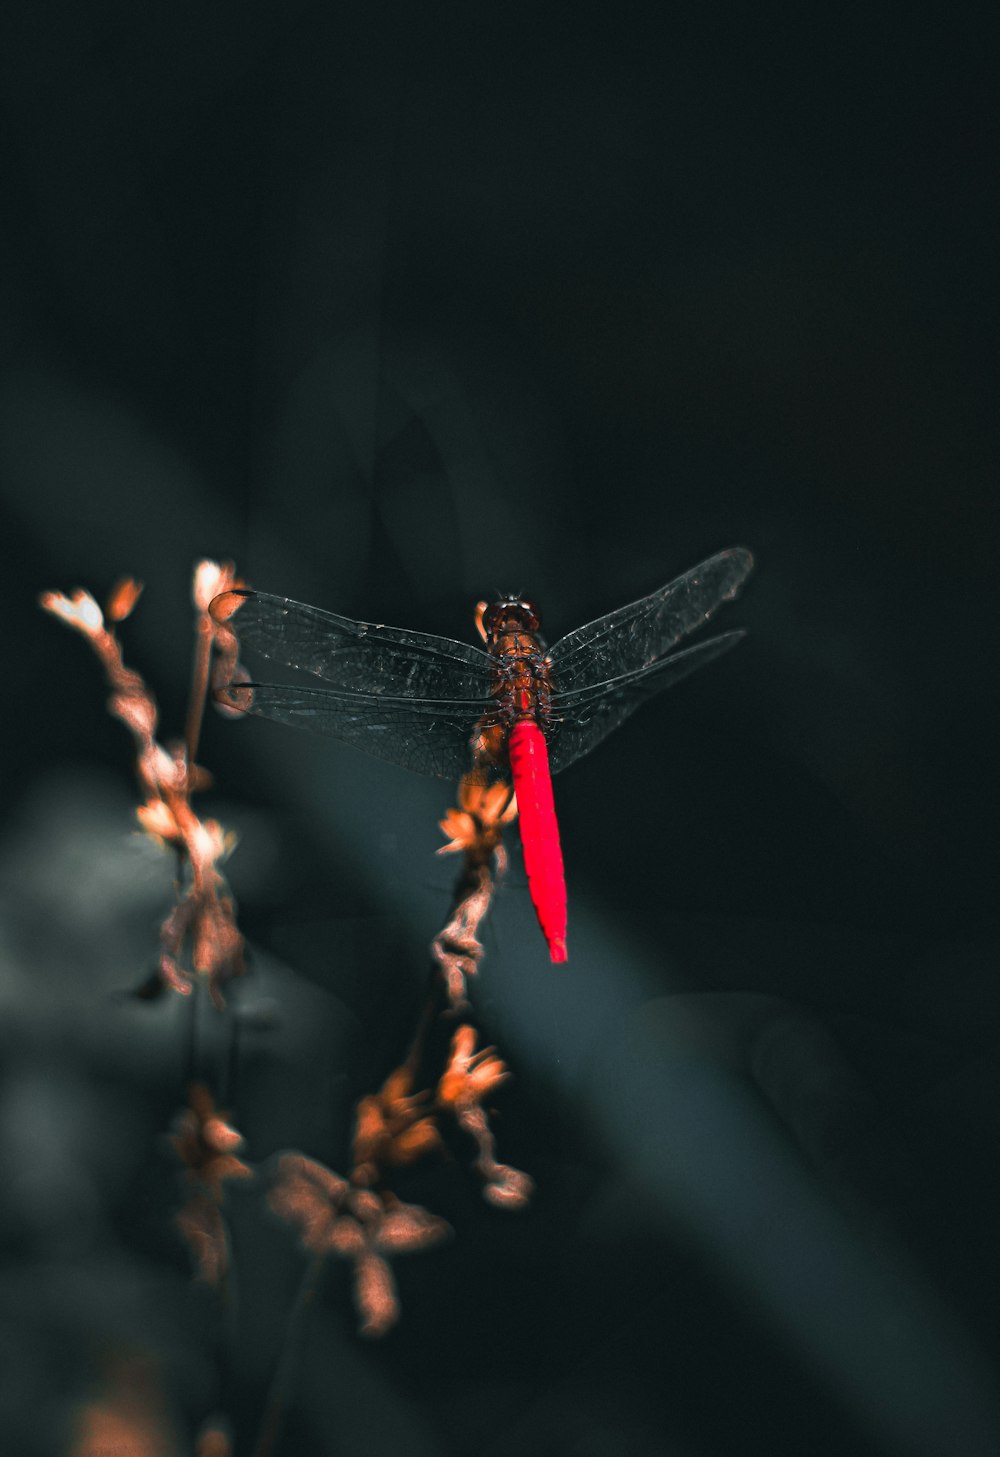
[
  {"x": 199, "y": 688},
  {"x": 284, "y": 1372}
]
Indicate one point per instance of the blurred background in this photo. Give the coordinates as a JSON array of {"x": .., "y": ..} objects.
[{"x": 399, "y": 306}]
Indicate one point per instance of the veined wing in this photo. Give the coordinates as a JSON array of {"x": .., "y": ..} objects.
[
  {"x": 635, "y": 636},
  {"x": 430, "y": 737},
  {"x": 358, "y": 657},
  {"x": 584, "y": 716}
]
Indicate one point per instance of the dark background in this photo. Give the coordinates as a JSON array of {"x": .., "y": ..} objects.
[{"x": 398, "y": 306}]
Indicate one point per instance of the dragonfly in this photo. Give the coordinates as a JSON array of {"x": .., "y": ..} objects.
[{"x": 512, "y": 708}]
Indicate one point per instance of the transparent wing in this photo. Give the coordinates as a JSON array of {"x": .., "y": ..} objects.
[
  {"x": 361, "y": 657},
  {"x": 583, "y": 717},
  {"x": 635, "y": 636},
  {"x": 426, "y": 736}
]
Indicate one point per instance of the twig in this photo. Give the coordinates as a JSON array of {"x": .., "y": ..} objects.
[
  {"x": 281, "y": 1382},
  {"x": 456, "y": 948},
  {"x": 192, "y": 1060},
  {"x": 199, "y": 688}
]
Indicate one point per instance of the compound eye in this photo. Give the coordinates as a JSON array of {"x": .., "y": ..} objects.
[{"x": 532, "y": 615}]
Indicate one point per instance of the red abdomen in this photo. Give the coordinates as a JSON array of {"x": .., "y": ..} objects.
[{"x": 529, "y": 763}]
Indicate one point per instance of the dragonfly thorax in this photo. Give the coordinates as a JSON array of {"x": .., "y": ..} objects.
[{"x": 510, "y": 614}]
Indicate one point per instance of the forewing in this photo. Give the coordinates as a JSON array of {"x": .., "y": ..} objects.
[
  {"x": 635, "y": 636},
  {"x": 356, "y": 657},
  {"x": 428, "y": 737},
  {"x": 583, "y": 717}
]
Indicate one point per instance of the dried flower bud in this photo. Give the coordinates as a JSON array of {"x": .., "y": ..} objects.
[
  {"x": 392, "y": 1128},
  {"x": 122, "y": 599},
  {"x": 462, "y": 830},
  {"x": 157, "y": 818},
  {"x": 160, "y": 768},
  {"x": 477, "y": 827},
  {"x": 207, "y": 843},
  {"x": 211, "y": 578},
  {"x": 78, "y": 610},
  {"x": 469, "y": 1076},
  {"x": 137, "y": 711},
  {"x": 205, "y": 1143},
  {"x": 221, "y": 1136},
  {"x": 491, "y": 804}
]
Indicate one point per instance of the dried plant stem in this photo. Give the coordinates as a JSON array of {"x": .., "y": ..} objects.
[
  {"x": 425, "y": 1021},
  {"x": 208, "y": 1057},
  {"x": 456, "y": 948},
  {"x": 284, "y": 1371},
  {"x": 192, "y": 1054},
  {"x": 199, "y": 688},
  {"x": 228, "y": 1338},
  {"x": 229, "y": 1075}
]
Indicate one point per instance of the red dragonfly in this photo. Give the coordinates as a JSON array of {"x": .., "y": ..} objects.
[{"x": 441, "y": 707}]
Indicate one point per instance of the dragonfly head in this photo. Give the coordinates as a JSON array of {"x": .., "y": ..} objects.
[{"x": 511, "y": 614}]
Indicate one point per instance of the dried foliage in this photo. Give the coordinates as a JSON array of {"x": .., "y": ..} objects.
[
  {"x": 206, "y": 1143},
  {"x": 203, "y": 920},
  {"x": 468, "y": 1079},
  {"x": 359, "y": 1218},
  {"x": 442, "y": 1081},
  {"x": 336, "y": 1217},
  {"x": 476, "y": 829},
  {"x": 393, "y": 1128}
]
